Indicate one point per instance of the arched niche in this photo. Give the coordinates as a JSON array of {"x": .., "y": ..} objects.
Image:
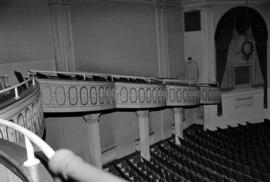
[{"x": 246, "y": 22}]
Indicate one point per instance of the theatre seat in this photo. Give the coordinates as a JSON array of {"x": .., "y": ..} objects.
[{"x": 235, "y": 154}]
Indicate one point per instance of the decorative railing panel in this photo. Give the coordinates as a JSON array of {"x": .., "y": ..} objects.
[
  {"x": 182, "y": 95},
  {"x": 136, "y": 95},
  {"x": 210, "y": 95},
  {"x": 84, "y": 92},
  {"x": 76, "y": 96},
  {"x": 23, "y": 108}
]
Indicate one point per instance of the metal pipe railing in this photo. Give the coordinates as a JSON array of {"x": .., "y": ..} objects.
[
  {"x": 14, "y": 87},
  {"x": 63, "y": 163}
]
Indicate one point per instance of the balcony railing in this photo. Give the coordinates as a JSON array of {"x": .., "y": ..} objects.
[{"x": 63, "y": 164}]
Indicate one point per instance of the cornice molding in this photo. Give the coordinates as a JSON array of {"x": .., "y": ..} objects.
[
  {"x": 208, "y": 4},
  {"x": 187, "y": 2},
  {"x": 166, "y": 3}
]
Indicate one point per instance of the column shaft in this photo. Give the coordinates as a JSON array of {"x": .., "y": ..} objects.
[
  {"x": 93, "y": 139},
  {"x": 143, "y": 118}
]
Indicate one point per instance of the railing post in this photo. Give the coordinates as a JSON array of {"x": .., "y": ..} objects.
[
  {"x": 31, "y": 159},
  {"x": 16, "y": 93},
  {"x": 33, "y": 82}
]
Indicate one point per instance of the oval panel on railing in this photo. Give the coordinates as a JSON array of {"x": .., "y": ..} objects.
[
  {"x": 47, "y": 93},
  {"x": 93, "y": 95},
  {"x": 60, "y": 95},
  {"x": 73, "y": 95},
  {"x": 84, "y": 95}
]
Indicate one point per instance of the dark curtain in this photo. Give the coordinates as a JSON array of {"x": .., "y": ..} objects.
[
  {"x": 223, "y": 38},
  {"x": 259, "y": 31},
  {"x": 241, "y": 18}
]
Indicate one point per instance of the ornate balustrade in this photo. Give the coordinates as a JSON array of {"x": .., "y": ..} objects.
[
  {"x": 53, "y": 92},
  {"x": 79, "y": 92},
  {"x": 138, "y": 92},
  {"x": 21, "y": 104},
  {"x": 75, "y": 92}
]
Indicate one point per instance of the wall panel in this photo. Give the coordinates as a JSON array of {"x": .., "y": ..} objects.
[
  {"x": 115, "y": 37},
  {"x": 24, "y": 35},
  {"x": 175, "y": 43}
]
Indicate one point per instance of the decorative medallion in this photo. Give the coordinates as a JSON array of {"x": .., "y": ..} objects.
[{"x": 247, "y": 49}]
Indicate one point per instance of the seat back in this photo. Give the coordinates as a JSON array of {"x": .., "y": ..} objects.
[{"x": 20, "y": 78}]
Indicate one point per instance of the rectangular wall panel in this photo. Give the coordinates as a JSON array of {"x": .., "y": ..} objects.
[
  {"x": 115, "y": 37},
  {"x": 175, "y": 43}
]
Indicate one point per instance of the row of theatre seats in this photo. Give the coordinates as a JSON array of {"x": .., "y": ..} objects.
[{"x": 235, "y": 154}]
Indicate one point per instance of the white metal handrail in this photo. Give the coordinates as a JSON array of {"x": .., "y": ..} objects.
[
  {"x": 15, "y": 87},
  {"x": 63, "y": 162},
  {"x": 48, "y": 151}
]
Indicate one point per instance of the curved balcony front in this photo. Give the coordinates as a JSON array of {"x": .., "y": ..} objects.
[
  {"x": 86, "y": 92},
  {"x": 21, "y": 104}
]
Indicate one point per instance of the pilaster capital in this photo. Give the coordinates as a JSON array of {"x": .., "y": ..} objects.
[
  {"x": 142, "y": 114},
  {"x": 177, "y": 110},
  {"x": 91, "y": 118}
]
